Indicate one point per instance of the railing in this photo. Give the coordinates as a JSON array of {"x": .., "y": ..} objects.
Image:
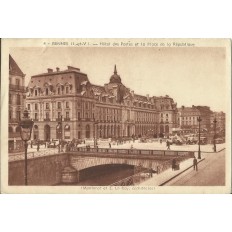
[
  {"x": 14, "y": 134},
  {"x": 66, "y": 119},
  {"x": 132, "y": 151},
  {"x": 32, "y": 155},
  {"x": 47, "y": 119},
  {"x": 134, "y": 179},
  {"x": 17, "y": 87}
]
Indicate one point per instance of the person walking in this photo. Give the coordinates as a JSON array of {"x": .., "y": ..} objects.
[
  {"x": 168, "y": 145},
  {"x": 173, "y": 165},
  {"x": 109, "y": 145},
  {"x": 37, "y": 146},
  {"x": 195, "y": 164}
]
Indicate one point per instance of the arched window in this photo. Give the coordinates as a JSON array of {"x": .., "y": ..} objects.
[
  {"x": 35, "y": 132},
  {"x": 10, "y": 129},
  {"x": 67, "y": 132},
  {"x": 17, "y": 129},
  {"x": 87, "y": 131}
]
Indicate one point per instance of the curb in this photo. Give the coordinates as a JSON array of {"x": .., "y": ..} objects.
[{"x": 165, "y": 182}]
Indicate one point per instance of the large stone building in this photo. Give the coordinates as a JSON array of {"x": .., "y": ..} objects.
[
  {"x": 89, "y": 110},
  {"x": 17, "y": 93},
  {"x": 220, "y": 123},
  {"x": 187, "y": 119}
]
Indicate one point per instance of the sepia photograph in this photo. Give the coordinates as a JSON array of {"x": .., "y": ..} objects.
[{"x": 116, "y": 115}]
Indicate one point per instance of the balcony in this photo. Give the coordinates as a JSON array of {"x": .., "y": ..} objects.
[
  {"x": 47, "y": 119},
  {"x": 66, "y": 119},
  {"x": 17, "y": 87},
  {"x": 58, "y": 119},
  {"x": 35, "y": 119},
  {"x": 14, "y": 134},
  {"x": 13, "y": 120}
]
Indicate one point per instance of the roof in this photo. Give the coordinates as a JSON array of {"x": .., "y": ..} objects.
[
  {"x": 14, "y": 68},
  {"x": 60, "y": 72},
  {"x": 98, "y": 89},
  {"x": 140, "y": 98}
]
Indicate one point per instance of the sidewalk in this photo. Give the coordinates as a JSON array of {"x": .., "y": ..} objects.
[{"x": 160, "y": 179}]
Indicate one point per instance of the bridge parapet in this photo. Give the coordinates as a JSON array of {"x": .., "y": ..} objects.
[{"x": 132, "y": 152}]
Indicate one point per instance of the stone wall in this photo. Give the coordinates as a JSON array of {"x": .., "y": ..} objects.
[{"x": 41, "y": 171}]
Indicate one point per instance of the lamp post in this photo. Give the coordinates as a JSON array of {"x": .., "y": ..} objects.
[
  {"x": 25, "y": 125},
  {"x": 199, "y": 138},
  {"x": 60, "y": 131},
  {"x": 214, "y": 140},
  {"x": 95, "y": 132}
]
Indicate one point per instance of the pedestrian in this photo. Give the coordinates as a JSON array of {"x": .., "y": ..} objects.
[
  {"x": 168, "y": 145},
  {"x": 195, "y": 164},
  {"x": 173, "y": 164},
  {"x": 109, "y": 145},
  {"x": 161, "y": 141},
  {"x": 37, "y": 146}
]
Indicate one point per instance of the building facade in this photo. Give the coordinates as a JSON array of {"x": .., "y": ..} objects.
[
  {"x": 187, "y": 119},
  {"x": 220, "y": 123},
  {"x": 17, "y": 94},
  {"x": 64, "y": 104}
]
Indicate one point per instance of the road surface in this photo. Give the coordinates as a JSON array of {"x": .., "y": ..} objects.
[{"x": 211, "y": 172}]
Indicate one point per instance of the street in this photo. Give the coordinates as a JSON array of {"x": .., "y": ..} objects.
[{"x": 211, "y": 172}]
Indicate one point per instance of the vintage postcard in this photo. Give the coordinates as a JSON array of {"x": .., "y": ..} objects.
[{"x": 116, "y": 116}]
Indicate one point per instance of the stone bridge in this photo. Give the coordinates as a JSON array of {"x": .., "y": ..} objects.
[{"x": 51, "y": 168}]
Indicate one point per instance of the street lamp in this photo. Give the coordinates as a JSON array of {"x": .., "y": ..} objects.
[
  {"x": 59, "y": 127},
  {"x": 199, "y": 143},
  {"x": 95, "y": 132},
  {"x": 214, "y": 141},
  {"x": 25, "y": 125}
]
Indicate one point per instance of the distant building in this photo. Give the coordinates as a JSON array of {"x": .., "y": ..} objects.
[
  {"x": 89, "y": 110},
  {"x": 220, "y": 123},
  {"x": 187, "y": 119},
  {"x": 17, "y": 93}
]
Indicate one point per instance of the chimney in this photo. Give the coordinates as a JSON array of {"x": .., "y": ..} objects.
[
  {"x": 182, "y": 107},
  {"x": 57, "y": 69},
  {"x": 73, "y": 68},
  {"x": 50, "y": 70}
]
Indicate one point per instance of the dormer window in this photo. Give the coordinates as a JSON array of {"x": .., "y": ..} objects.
[
  {"x": 67, "y": 89},
  {"x": 36, "y": 92},
  {"x": 46, "y": 91}
]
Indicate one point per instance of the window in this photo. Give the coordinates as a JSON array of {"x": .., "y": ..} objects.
[
  {"x": 59, "y": 105},
  {"x": 46, "y": 91},
  {"x": 36, "y": 92},
  {"x": 166, "y": 115},
  {"x": 10, "y": 114},
  {"x": 36, "y": 116},
  {"x": 79, "y": 115},
  {"x": 47, "y": 115},
  {"x": 67, "y": 104},
  {"x": 67, "y": 114},
  {"x": 67, "y": 89},
  {"x": 18, "y": 100},
  {"x": 47, "y": 106},
  {"x": 59, "y": 114},
  {"x": 86, "y": 105},
  {"x": 10, "y": 98},
  {"x": 36, "y": 106},
  {"x": 58, "y": 90},
  {"x": 86, "y": 115},
  {"x": 17, "y": 81},
  {"x": 28, "y": 106},
  {"x": 18, "y": 115}
]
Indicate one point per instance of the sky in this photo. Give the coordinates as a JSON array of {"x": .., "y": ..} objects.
[{"x": 191, "y": 76}]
